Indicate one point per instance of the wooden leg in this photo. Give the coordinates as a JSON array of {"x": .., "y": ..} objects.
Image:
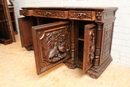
[
  {"x": 96, "y": 72},
  {"x": 70, "y": 64}
]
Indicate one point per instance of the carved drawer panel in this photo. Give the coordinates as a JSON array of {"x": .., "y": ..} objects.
[
  {"x": 51, "y": 13},
  {"x": 82, "y": 15},
  {"x": 26, "y": 12}
]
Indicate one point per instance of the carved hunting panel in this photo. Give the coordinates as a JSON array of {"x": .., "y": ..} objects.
[{"x": 55, "y": 44}]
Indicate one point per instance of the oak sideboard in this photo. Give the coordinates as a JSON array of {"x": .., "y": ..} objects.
[{"x": 78, "y": 36}]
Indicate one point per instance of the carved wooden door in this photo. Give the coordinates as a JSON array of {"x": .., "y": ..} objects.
[
  {"x": 51, "y": 44},
  {"x": 89, "y": 46},
  {"x": 25, "y": 26}
]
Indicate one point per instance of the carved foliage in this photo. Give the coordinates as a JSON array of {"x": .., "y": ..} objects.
[
  {"x": 92, "y": 45},
  {"x": 53, "y": 14},
  {"x": 99, "y": 15},
  {"x": 55, "y": 44},
  {"x": 89, "y": 47},
  {"x": 81, "y": 15},
  {"x": 24, "y": 12}
]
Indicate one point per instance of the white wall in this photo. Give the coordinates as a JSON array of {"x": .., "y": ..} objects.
[{"x": 121, "y": 37}]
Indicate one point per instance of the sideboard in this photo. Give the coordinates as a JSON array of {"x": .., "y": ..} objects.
[{"x": 78, "y": 36}]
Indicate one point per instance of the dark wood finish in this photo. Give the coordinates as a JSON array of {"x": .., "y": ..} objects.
[
  {"x": 13, "y": 19},
  {"x": 89, "y": 46},
  {"x": 6, "y": 28},
  {"x": 51, "y": 44},
  {"x": 25, "y": 25},
  {"x": 79, "y": 36}
]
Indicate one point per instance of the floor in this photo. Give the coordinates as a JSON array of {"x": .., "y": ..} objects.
[{"x": 17, "y": 69}]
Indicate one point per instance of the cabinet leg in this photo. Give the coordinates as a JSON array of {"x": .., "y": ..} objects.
[
  {"x": 70, "y": 64},
  {"x": 29, "y": 47},
  {"x": 96, "y": 72}
]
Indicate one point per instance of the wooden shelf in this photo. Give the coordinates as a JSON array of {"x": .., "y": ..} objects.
[{"x": 81, "y": 39}]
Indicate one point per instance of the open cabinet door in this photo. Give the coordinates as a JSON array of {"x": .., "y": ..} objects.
[
  {"x": 89, "y": 46},
  {"x": 51, "y": 44}
]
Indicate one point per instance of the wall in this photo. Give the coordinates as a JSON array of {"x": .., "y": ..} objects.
[{"x": 121, "y": 38}]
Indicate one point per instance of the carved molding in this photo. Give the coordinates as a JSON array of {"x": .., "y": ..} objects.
[
  {"x": 81, "y": 15},
  {"x": 24, "y": 12},
  {"x": 54, "y": 14}
]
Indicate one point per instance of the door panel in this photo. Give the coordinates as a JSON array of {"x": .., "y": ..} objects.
[
  {"x": 51, "y": 44},
  {"x": 25, "y": 25},
  {"x": 89, "y": 46}
]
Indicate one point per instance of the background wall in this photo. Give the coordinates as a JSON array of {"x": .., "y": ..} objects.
[{"x": 121, "y": 37}]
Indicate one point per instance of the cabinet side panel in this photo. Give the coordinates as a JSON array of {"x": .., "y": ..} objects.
[
  {"x": 25, "y": 31},
  {"x": 106, "y": 41}
]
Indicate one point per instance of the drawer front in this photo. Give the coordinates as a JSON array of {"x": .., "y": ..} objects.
[
  {"x": 26, "y": 12},
  {"x": 51, "y": 14},
  {"x": 82, "y": 15}
]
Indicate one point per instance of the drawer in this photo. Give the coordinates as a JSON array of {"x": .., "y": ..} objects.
[
  {"x": 26, "y": 12},
  {"x": 82, "y": 15},
  {"x": 51, "y": 13}
]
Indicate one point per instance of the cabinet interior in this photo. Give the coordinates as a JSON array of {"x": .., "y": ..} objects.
[
  {"x": 39, "y": 20},
  {"x": 80, "y": 41}
]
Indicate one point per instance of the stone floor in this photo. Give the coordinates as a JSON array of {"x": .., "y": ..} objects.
[{"x": 17, "y": 69}]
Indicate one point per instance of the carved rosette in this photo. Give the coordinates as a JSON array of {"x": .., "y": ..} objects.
[
  {"x": 55, "y": 44},
  {"x": 99, "y": 15},
  {"x": 92, "y": 45}
]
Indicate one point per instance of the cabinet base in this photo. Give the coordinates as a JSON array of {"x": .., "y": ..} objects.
[
  {"x": 96, "y": 72},
  {"x": 29, "y": 48},
  {"x": 70, "y": 64}
]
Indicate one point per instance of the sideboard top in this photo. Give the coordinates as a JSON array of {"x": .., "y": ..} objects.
[{"x": 72, "y": 8}]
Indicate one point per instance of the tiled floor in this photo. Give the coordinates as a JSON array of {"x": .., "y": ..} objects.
[{"x": 17, "y": 69}]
